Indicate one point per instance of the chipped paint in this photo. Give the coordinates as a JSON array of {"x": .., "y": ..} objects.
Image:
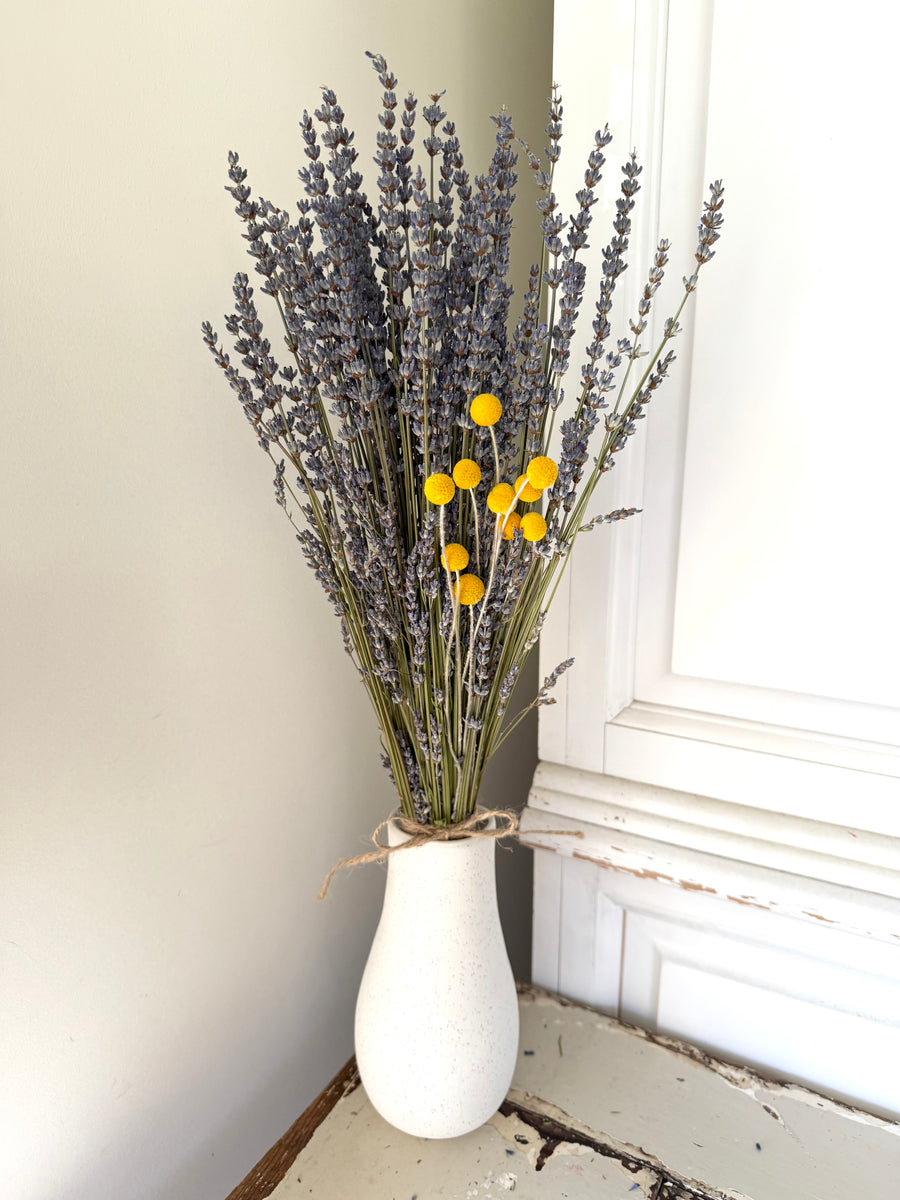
[
  {"x": 507, "y": 1181},
  {"x": 618, "y": 1117},
  {"x": 749, "y": 902},
  {"x": 689, "y": 885},
  {"x": 560, "y": 1134},
  {"x": 784, "y": 907},
  {"x": 520, "y": 1136},
  {"x": 743, "y": 1079},
  {"x": 638, "y": 872}
]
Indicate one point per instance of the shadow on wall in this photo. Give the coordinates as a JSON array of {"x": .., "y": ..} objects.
[{"x": 506, "y": 784}]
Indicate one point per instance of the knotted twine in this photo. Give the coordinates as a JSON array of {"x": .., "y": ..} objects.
[{"x": 421, "y": 835}]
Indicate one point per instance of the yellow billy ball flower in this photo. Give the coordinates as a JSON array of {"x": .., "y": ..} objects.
[
  {"x": 500, "y": 498},
  {"x": 467, "y": 474},
  {"x": 542, "y": 472},
  {"x": 528, "y": 493},
  {"x": 485, "y": 409},
  {"x": 439, "y": 489},
  {"x": 469, "y": 590},
  {"x": 513, "y": 522},
  {"x": 455, "y": 557},
  {"x": 533, "y": 527}
]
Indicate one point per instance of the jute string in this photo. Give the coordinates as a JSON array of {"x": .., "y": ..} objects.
[{"x": 421, "y": 835}]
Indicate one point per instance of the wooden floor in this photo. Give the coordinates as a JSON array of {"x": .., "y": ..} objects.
[{"x": 597, "y": 1111}]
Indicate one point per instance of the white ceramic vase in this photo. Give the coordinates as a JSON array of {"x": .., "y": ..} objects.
[{"x": 437, "y": 1018}]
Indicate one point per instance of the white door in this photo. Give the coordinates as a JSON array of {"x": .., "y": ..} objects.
[{"x": 728, "y": 741}]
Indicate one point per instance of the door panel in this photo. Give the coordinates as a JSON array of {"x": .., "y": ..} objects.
[{"x": 728, "y": 742}]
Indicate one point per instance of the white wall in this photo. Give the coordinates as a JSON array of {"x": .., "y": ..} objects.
[{"x": 184, "y": 747}]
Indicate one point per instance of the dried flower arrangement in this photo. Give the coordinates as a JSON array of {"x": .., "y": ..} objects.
[{"x": 413, "y": 427}]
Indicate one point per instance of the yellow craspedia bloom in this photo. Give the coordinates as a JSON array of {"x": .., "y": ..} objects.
[
  {"x": 500, "y": 498},
  {"x": 533, "y": 527},
  {"x": 469, "y": 590},
  {"x": 542, "y": 472},
  {"x": 485, "y": 409},
  {"x": 439, "y": 489},
  {"x": 528, "y": 493},
  {"x": 513, "y": 522},
  {"x": 467, "y": 474},
  {"x": 455, "y": 557}
]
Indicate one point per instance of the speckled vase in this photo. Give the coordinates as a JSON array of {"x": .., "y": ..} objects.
[{"x": 437, "y": 1017}]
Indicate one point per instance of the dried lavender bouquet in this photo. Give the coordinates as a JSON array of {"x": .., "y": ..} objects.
[{"x": 410, "y": 430}]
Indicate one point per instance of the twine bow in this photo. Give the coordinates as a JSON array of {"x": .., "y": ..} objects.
[{"x": 421, "y": 835}]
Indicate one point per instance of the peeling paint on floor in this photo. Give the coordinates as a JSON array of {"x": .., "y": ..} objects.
[{"x": 621, "y": 1115}]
